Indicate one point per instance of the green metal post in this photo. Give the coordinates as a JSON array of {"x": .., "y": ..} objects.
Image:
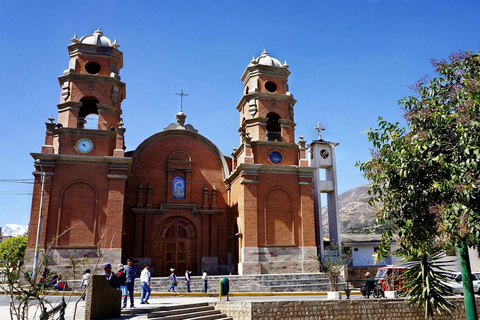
[{"x": 468, "y": 294}]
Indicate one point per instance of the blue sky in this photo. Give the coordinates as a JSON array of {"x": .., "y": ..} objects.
[{"x": 351, "y": 61}]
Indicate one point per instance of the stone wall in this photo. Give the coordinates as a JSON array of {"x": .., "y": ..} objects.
[
  {"x": 373, "y": 309},
  {"x": 236, "y": 310},
  {"x": 102, "y": 301},
  {"x": 85, "y": 258},
  {"x": 281, "y": 259}
]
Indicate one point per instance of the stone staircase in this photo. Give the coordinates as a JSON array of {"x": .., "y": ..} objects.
[
  {"x": 294, "y": 282},
  {"x": 309, "y": 282},
  {"x": 196, "y": 311}
]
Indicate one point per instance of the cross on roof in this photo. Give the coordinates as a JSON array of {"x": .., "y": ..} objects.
[
  {"x": 181, "y": 94},
  {"x": 319, "y": 128}
]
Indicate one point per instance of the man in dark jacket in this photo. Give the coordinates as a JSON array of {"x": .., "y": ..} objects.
[
  {"x": 130, "y": 273},
  {"x": 110, "y": 276}
]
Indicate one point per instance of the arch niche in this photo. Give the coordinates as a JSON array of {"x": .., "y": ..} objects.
[
  {"x": 78, "y": 212},
  {"x": 278, "y": 218},
  {"x": 175, "y": 246}
]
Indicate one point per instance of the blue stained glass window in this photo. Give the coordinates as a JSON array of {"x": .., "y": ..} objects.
[
  {"x": 178, "y": 188},
  {"x": 275, "y": 157}
]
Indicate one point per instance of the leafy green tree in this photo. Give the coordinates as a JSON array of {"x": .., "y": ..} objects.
[
  {"x": 13, "y": 249},
  {"x": 427, "y": 175}
]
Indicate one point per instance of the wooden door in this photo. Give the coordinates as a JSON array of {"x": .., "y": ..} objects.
[{"x": 175, "y": 247}]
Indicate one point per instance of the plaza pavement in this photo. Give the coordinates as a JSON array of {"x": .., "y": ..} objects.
[{"x": 164, "y": 299}]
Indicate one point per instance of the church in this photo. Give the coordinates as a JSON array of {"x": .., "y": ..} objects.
[{"x": 176, "y": 201}]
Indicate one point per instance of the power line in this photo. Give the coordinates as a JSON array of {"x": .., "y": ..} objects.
[
  {"x": 26, "y": 181},
  {"x": 14, "y": 193}
]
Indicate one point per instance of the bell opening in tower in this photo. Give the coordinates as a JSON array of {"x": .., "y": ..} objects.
[
  {"x": 270, "y": 86},
  {"x": 88, "y": 115},
  {"x": 274, "y": 131},
  {"x": 93, "y": 67}
]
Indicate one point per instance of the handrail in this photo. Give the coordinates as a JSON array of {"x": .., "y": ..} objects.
[{"x": 61, "y": 308}]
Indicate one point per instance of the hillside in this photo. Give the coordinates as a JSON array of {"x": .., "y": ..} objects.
[{"x": 356, "y": 215}]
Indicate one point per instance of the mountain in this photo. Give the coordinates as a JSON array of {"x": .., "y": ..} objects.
[
  {"x": 14, "y": 230},
  {"x": 356, "y": 215}
]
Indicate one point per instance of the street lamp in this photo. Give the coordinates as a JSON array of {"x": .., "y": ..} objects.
[{"x": 40, "y": 216}]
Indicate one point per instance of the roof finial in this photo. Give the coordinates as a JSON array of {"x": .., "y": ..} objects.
[
  {"x": 115, "y": 44},
  {"x": 74, "y": 39},
  {"x": 181, "y": 94},
  {"x": 285, "y": 64}
]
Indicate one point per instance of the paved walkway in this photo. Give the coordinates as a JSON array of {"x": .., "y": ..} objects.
[{"x": 76, "y": 311}]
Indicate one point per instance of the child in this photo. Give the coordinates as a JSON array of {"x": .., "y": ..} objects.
[{"x": 173, "y": 280}]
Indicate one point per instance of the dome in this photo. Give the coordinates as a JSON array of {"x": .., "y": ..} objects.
[
  {"x": 265, "y": 60},
  {"x": 96, "y": 39}
]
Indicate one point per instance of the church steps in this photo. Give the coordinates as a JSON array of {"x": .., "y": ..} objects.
[
  {"x": 187, "y": 309},
  {"x": 191, "y": 314},
  {"x": 149, "y": 309},
  {"x": 315, "y": 282},
  {"x": 248, "y": 283},
  {"x": 183, "y": 312}
]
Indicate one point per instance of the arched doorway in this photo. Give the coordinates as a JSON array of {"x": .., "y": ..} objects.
[{"x": 175, "y": 247}]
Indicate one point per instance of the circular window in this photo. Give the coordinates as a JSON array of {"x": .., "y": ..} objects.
[
  {"x": 93, "y": 67},
  {"x": 275, "y": 157},
  {"x": 324, "y": 154},
  {"x": 270, "y": 86}
]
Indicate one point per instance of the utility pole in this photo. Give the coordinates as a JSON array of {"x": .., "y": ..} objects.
[
  {"x": 468, "y": 294},
  {"x": 40, "y": 216}
]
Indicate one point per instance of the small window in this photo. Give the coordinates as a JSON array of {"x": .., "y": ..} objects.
[
  {"x": 88, "y": 114},
  {"x": 170, "y": 234},
  {"x": 178, "y": 188},
  {"x": 270, "y": 86},
  {"x": 93, "y": 67},
  {"x": 182, "y": 233},
  {"x": 274, "y": 131}
]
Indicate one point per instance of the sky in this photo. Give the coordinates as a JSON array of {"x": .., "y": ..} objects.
[{"x": 350, "y": 62}]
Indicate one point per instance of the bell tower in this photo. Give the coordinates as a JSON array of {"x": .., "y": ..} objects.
[
  {"x": 266, "y": 109},
  {"x": 271, "y": 183},
  {"x": 78, "y": 207},
  {"x": 91, "y": 96}
]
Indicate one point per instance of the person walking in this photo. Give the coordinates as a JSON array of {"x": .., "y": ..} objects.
[
  {"x": 85, "y": 278},
  {"x": 187, "y": 279},
  {"x": 205, "y": 281},
  {"x": 173, "y": 280},
  {"x": 145, "y": 284},
  {"x": 130, "y": 274},
  {"x": 122, "y": 277}
]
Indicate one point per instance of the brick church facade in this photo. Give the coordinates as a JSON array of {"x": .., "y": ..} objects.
[{"x": 176, "y": 200}]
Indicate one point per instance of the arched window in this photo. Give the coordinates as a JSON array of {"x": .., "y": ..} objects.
[
  {"x": 88, "y": 115},
  {"x": 178, "y": 188},
  {"x": 274, "y": 132}
]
